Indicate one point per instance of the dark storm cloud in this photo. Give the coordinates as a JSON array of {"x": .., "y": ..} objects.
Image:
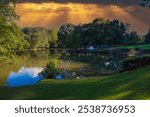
[{"x": 103, "y": 2}]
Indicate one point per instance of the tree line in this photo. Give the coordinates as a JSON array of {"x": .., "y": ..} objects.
[
  {"x": 100, "y": 33},
  {"x": 40, "y": 37}
]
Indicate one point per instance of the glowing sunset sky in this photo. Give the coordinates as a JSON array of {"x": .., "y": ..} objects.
[{"x": 54, "y": 14}]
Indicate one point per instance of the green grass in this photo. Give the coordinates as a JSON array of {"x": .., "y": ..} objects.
[
  {"x": 128, "y": 85},
  {"x": 145, "y": 46}
]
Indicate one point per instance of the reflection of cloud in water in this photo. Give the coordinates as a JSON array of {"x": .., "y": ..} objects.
[{"x": 25, "y": 76}]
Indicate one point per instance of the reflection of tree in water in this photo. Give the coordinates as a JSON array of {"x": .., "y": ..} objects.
[
  {"x": 8, "y": 58},
  {"x": 17, "y": 60},
  {"x": 27, "y": 56},
  {"x": 91, "y": 63},
  {"x": 73, "y": 65}
]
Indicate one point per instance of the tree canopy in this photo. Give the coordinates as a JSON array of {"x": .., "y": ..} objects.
[
  {"x": 40, "y": 37},
  {"x": 98, "y": 33},
  {"x": 147, "y": 37},
  {"x": 10, "y": 35}
]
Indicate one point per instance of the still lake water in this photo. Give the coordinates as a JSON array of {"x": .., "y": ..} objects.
[{"x": 27, "y": 66}]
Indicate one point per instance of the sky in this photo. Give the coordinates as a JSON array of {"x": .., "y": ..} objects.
[{"x": 54, "y": 13}]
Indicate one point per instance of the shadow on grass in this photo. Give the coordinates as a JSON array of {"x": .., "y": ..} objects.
[{"x": 129, "y": 85}]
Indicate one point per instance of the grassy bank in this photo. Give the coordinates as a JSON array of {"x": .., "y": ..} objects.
[
  {"x": 128, "y": 85},
  {"x": 145, "y": 46}
]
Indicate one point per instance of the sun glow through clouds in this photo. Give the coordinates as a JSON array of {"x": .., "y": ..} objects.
[{"x": 55, "y": 14}]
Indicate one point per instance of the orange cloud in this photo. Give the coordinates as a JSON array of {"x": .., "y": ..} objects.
[{"x": 55, "y": 14}]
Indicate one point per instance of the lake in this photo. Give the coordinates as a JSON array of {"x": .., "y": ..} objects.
[{"x": 27, "y": 65}]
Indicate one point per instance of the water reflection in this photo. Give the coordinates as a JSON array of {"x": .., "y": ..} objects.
[
  {"x": 90, "y": 64},
  {"x": 27, "y": 59},
  {"x": 73, "y": 65},
  {"x": 25, "y": 76}
]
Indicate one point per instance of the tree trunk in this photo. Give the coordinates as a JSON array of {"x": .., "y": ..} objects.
[{"x": 85, "y": 47}]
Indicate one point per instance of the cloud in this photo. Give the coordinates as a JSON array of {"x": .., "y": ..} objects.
[
  {"x": 102, "y": 2},
  {"x": 53, "y": 14},
  {"x": 25, "y": 76}
]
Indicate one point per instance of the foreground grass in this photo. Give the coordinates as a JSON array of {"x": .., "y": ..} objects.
[
  {"x": 128, "y": 85},
  {"x": 145, "y": 46}
]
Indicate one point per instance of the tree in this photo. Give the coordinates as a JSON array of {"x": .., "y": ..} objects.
[
  {"x": 65, "y": 35},
  {"x": 85, "y": 35},
  {"x": 133, "y": 38},
  {"x": 37, "y": 37},
  {"x": 107, "y": 32},
  {"x": 75, "y": 40},
  {"x": 98, "y": 31},
  {"x": 147, "y": 37},
  {"x": 52, "y": 37},
  {"x": 8, "y": 1},
  {"x": 100, "y": 21},
  {"x": 115, "y": 32},
  {"x": 10, "y": 35}
]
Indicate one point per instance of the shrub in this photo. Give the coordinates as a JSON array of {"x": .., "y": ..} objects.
[
  {"x": 51, "y": 69},
  {"x": 136, "y": 62}
]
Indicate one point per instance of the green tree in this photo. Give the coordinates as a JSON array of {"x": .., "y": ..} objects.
[
  {"x": 10, "y": 35},
  {"x": 52, "y": 37},
  {"x": 98, "y": 31},
  {"x": 133, "y": 38},
  {"x": 147, "y": 37},
  {"x": 105, "y": 32},
  {"x": 85, "y": 35},
  {"x": 65, "y": 35},
  {"x": 37, "y": 37},
  {"x": 116, "y": 32},
  {"x": 76, "y": 39},
  {"x": 100, "y": 21}
]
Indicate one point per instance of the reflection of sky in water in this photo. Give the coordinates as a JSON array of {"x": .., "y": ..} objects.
[
  {"x": 72, "y": 66},
  {"x": 25, "y": 76}
]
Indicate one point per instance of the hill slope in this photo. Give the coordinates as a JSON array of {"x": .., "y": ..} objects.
[{"x": 128, "y": 85}]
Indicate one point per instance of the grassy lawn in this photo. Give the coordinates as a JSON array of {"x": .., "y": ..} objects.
[
  {"x": 146, "y": 46},
  {"x": 128, "y": 85}
]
